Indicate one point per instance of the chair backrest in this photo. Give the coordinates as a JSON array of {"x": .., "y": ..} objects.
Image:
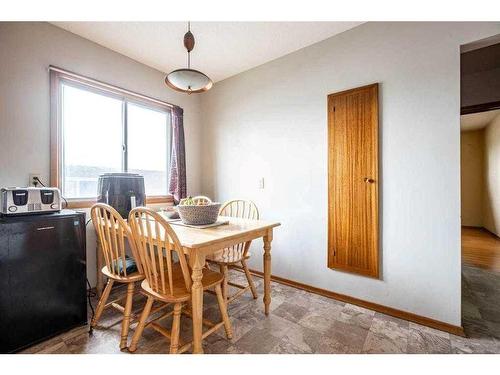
[
  {"x": 112, "y": 232},
  {"x": 156, "y": 243},
  {"x": 241, "y": 209},
  {"x": 201, "y": 199}
]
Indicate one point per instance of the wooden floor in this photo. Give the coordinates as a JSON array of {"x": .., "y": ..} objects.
[{"x": 480, "y": 248}]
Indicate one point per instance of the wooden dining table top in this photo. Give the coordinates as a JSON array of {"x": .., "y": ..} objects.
[{"x": 237, "y": 228}]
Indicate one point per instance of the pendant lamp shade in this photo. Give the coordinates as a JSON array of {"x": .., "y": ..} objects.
[{"x": 188, "y": 80}]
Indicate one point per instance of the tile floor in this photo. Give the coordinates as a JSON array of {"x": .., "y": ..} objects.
[{"x": 301, "y": 322}]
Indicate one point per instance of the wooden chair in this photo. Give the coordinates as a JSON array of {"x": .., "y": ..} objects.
[
  {"x": 201, "y": 199},
  {"x": 168, "y": 278},
  {"x": 113, "y": 232},
  {"x": 237, "y": 254}
]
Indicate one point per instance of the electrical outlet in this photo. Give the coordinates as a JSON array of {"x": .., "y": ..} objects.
[
  {"x": 33, "y": 180},
  {"x": 261, "y": 183}
]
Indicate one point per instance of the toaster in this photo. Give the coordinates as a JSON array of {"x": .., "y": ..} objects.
[{"x": 29, "y": 200}]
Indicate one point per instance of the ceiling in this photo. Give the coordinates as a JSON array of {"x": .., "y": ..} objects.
[
  {"x": 222, "y": 49},
  {"x": 476, "y": 121}
]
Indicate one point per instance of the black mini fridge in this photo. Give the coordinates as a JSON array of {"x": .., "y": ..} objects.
[{"x": 42, "y": 277}]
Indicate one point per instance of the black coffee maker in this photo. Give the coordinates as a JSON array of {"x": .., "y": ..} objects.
[{"x": 122, "y": 191}]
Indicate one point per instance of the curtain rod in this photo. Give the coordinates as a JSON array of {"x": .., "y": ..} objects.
[{"x": 79, "y": 77}]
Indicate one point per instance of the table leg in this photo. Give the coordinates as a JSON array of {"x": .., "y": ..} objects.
[
  {"x": 99, "y": 264},
  {"x": 267, "y": 270},
  {"x": 197, "y": 263}
]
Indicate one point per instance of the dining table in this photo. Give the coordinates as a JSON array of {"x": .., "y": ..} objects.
[{"x": 198, "y": 243}]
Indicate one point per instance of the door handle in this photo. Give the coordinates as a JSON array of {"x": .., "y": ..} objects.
[{"x": 369, "y": 180}]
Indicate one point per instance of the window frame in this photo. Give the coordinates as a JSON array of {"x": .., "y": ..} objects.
[{"x": 57, "y": 78}]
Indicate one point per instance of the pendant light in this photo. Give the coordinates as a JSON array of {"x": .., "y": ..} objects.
[{"x": 188, "y": 80}]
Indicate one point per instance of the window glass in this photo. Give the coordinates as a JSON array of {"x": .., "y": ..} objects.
[
  {"x": 148, "y": 146},
  {"x": 92, "y": 140}
]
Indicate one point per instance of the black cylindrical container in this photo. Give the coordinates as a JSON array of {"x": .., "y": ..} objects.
[{"x": 122, "y": 191}]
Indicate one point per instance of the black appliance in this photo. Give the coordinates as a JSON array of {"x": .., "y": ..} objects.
[
  {"x": 122, "y": 191},
  {"x": 42, "y": 277}
]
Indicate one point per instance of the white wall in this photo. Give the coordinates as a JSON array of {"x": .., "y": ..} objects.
[
  {"x": 491, "y": 193},
  {"x": 26, "y": 51},
  {"x": 472, "y": 177},
  {"x": 272, "y": 122}
]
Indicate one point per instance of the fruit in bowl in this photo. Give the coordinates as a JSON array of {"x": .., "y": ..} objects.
[
  {"x": 190, "y": 201},
  {"x": 197, "y": 212}
]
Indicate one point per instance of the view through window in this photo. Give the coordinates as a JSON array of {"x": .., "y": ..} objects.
[{"x": 102, "y": 133}]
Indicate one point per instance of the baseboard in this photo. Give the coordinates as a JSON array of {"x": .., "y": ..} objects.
[{"x": 436, "y": 324}]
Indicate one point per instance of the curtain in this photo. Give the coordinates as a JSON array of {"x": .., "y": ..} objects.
[{"x": 177, "y": 184}]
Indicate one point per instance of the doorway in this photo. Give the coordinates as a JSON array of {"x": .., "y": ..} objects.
[{"x": 480, "y": 188}]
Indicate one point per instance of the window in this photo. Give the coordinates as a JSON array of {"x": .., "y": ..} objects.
[{"x": 99, "y": 129}]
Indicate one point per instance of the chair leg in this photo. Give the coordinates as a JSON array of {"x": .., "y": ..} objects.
[
  {"x": 249, "y": 278},
  {"x": 176, "y": 325},
  {"x": 142, "y": 323},
  {"x": 102, "y": 303},
  {"x": 126, "y": 315},
  {"x": 223, "y": 312},
  {"x": 223, "y": 269}
]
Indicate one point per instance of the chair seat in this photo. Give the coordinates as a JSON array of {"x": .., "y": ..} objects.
[
  {"x": 228, "y": 256},
  {"x": 210, "y": 278}
]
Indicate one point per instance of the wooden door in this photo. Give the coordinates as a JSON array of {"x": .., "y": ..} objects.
[{"x": 353, "y": 180}]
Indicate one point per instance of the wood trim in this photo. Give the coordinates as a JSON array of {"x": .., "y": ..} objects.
[
  {"x": 476, "y": 108},
  {"x": 160, "y": 199},
  {"x": 87, "y": 203},
  {"x": 405, "y": 315},
  {"x": 55, "y": 132},
  {"x": 81, "y": 203}
]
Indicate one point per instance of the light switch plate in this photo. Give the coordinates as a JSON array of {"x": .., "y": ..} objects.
[{"x": 261, "y": 183}]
